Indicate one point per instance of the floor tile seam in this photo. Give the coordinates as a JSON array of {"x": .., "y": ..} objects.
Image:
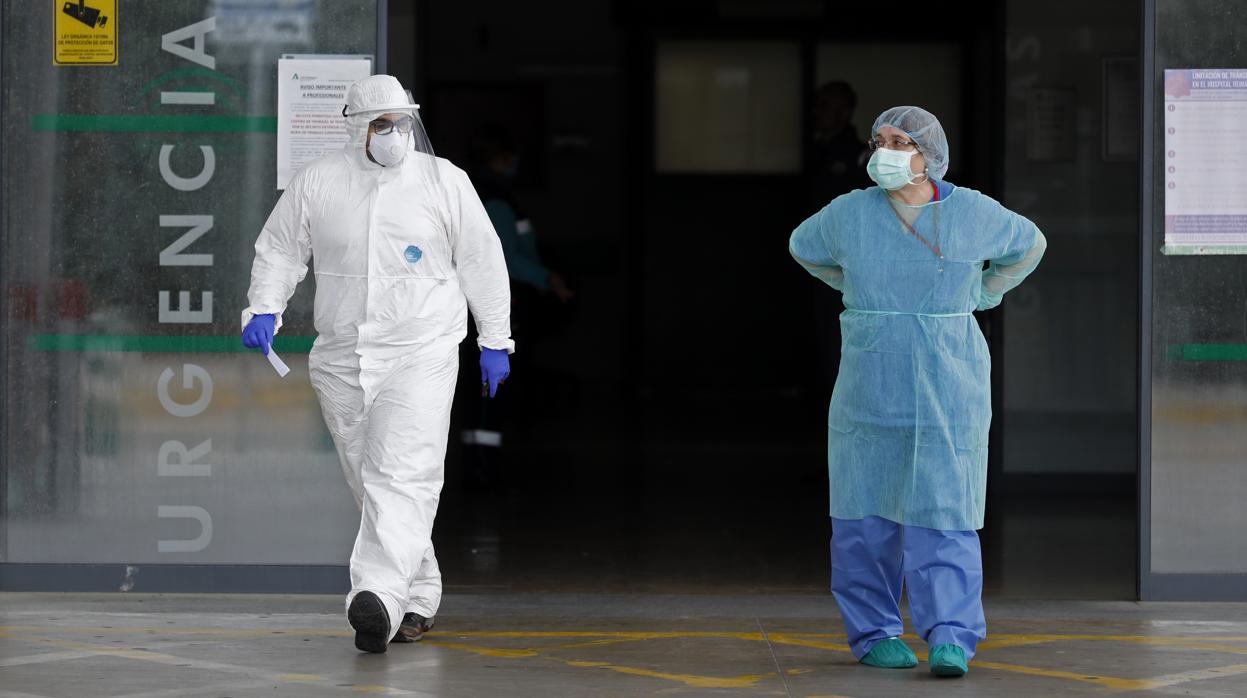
[{"x": 779, "y": 668}]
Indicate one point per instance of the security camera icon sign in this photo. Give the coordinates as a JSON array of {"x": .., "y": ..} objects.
[{"x": 87, "y": 15}]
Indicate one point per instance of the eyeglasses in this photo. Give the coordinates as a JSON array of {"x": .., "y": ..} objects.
[
  {"x": 893, "y": 143},
  {"x": 383, "y": 127}
]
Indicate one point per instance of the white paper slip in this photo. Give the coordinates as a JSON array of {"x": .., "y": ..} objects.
[{"x": 278, "y": 365}]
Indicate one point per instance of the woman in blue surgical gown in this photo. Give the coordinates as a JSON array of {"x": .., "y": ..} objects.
[{"x": 914, "y": 256}]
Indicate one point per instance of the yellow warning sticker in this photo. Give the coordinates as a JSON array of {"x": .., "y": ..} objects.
[{"x": 86, "y": 32}]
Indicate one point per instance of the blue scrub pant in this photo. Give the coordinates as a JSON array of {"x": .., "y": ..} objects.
[{"x": 943, "y": 570}]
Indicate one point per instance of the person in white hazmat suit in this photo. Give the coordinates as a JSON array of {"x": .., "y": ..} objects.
[{"x": 403, "y": 248}]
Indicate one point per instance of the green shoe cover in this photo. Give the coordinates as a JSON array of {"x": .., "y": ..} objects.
[
  {"x": 891, "y": 653},
  {"x": 948, "y": 660}
]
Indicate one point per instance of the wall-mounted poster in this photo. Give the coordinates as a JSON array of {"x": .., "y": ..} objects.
[
  {"x": 1205, "y": 163},
  {"x": 311, "y": 92}
]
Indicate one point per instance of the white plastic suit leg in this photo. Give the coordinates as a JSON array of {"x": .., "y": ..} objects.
[
  {"x": 393, "y": 450},
  {"x": 425, "y": 596}
]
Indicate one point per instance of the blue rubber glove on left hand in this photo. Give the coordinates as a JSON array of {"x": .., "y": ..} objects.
[
  {"x": 495, "y": 368},
  {"x": 258, "y": 334}
]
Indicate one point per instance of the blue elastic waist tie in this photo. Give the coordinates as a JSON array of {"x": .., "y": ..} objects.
[{"x": 895, "y": 312}]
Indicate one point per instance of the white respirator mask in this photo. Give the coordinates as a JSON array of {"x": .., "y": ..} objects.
[{"x": 389, "y": 149}]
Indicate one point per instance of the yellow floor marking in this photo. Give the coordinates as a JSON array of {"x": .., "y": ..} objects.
[
  {"x": 1000, "y": 643},
  {"x": 593, "y": 643},
  {"x": 786, "y": 639},
  {"x": 1147, "y": 639},
  {"x": 128, "y": 653},
  {"x": 1105, "y": 681},
  {"x": 212, "y": 632},
  {"x": 484, "y": 651},
  {"x": 686, "y": 679},
  {"x": 821, "y": 641},
  {"x": 615, "y": 634},
  {"x": 1204, "y": 644},
  {"x": 834, "y": 636},
  {"x": 1009, "y": 638},
  {"x": 692, "y": 680}
]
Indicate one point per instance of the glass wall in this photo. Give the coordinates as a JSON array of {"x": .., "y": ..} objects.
[
  {"x": 1198, "y": 369},
  {"x": 1070, "y": 137},
  {"x": 1064, "y": 143},
  {"x": 135, "y": 428}
]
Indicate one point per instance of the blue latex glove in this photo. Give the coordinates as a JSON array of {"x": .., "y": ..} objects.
[
  {"x": 258, "y": 334},
  {"x": 495, "y": 368}
]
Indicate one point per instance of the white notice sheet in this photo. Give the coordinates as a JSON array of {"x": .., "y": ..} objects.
[
  {"x": 310, "y": 95},
  {"x": 1205, "y": 164}
]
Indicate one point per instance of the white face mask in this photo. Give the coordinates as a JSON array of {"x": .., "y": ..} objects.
[
  {"x": 891, "y": 169},
  {"x": 390, "y": 149}
]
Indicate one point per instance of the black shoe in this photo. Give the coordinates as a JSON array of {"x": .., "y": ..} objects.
[
  {"x": 368, "y": 617},
  {"x": 413, "y": 628}
]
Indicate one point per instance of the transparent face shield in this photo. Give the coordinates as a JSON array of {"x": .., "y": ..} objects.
[{"x": 397, "y": 139}]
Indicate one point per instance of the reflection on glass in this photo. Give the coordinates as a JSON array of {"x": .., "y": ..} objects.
[
  {"x": 137, "y": 431},
  {"x": 1199, "y": 364}
]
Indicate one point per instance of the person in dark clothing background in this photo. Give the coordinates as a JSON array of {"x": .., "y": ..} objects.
[
  {"x": 496, "y": 163},
  {"x": 837, "y": 154},
  {"x": 535, "y": 289}
]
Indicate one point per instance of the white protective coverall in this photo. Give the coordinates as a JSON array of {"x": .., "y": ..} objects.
[{"x": 401, "y": 253}]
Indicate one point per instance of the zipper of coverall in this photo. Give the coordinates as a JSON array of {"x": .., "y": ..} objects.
[{"x": 372, "y": 250}]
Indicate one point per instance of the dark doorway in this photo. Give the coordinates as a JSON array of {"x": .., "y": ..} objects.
[{"x": 672, "y": 429}]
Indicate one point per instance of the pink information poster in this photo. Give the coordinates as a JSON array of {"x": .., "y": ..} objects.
[{"x": 1205, "y": 164}]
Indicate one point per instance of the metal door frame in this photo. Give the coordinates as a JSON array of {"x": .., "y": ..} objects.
[{"x": 1154, "y": 586}]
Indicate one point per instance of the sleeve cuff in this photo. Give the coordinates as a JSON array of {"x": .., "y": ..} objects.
[
  {"x": 251, "y": 312},
  {"x": 507, "y": 345}
]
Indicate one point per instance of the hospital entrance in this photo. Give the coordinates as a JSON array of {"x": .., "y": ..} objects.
[{"x": 644, "y": 507}]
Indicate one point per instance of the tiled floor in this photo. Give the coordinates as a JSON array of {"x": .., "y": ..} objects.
[{"x": 593, "y": 645}]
